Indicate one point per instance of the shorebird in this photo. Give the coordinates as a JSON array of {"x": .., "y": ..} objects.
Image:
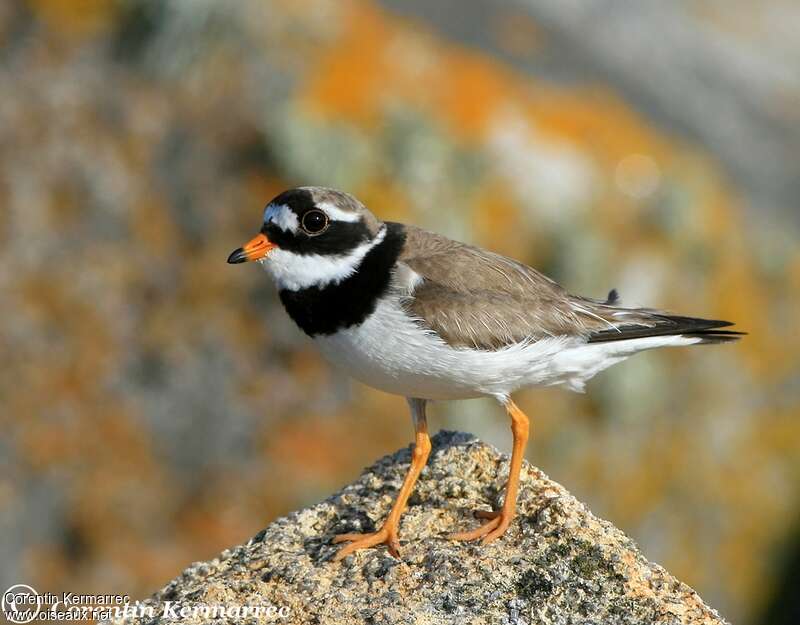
[{"x": 416, "y": 314}]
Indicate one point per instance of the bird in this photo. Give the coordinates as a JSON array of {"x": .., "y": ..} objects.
[{"x": 416, "y": 314}]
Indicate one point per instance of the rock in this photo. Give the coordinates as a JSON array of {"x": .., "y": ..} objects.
[{"x": 556, "y": 564}]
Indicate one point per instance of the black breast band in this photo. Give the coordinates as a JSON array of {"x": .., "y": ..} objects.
[{"x": 347, "y": 303}]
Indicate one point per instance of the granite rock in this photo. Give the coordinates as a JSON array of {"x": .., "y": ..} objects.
[{"x": 557, "y": 564}]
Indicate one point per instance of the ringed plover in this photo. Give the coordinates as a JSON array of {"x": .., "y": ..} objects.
[{"x": 417, "y": 314}]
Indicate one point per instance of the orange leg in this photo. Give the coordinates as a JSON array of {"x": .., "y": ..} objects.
[
  {"x": 499, "y": 520},
  {"x": 388, "y": 532}
]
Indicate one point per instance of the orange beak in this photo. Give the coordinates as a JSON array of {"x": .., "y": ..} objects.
[{"x": 255, "y": 249}]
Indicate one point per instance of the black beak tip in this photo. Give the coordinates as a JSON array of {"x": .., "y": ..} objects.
[{"x": 237, "y": 256}]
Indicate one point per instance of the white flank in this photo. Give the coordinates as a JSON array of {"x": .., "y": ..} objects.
[
  {"x": 582, "y": 362},
  {"x": 282, "y": 216},
  {"x": 391, "y": 352},
  {"x": 293, "y": 272}
]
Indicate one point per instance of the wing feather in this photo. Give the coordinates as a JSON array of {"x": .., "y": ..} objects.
[{"x": 474, "y": 298}]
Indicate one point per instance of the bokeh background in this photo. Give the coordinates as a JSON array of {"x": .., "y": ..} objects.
[{"x": 156, "y": 404}]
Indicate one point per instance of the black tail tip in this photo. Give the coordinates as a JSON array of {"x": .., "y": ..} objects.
[{"x": 715, "y": 337}]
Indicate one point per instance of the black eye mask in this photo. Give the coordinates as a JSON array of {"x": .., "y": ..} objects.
[{"x": 340, "y": 237}]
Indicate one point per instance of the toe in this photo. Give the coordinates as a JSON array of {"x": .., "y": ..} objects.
[
  {"x": 387, "y": 535},
  {"x": 341, "y": 538},
  {"x": 497, "y": 532},
  {"x": 478, "y": 532},
  {"x": 394, "y": 546},
  {"x": 364, "y": 542}
]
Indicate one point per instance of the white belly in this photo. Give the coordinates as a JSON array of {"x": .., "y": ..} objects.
[{"x": 391, "y": 352}]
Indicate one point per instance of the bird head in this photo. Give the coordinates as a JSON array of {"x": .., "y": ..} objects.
[{"x": 311, "y": 237}]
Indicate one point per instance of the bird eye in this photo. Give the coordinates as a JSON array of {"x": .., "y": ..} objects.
[{"x": 314, "y": 221}]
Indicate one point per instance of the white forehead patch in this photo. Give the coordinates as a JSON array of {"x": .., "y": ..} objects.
[
  {"x": 337, "y": 214},
  {"x": 294, "y": 272},
  {"x": 282, "y": 216}
]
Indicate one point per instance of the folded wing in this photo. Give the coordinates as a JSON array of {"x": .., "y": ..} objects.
[{"x": 478, "y": 299}]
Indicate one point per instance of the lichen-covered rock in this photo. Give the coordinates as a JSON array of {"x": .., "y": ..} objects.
[{"x": 556, "y": 564}]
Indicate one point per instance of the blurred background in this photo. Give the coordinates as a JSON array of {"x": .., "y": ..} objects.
[{"x": 157, "y": 405}]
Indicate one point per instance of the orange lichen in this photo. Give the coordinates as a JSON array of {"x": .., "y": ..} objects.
[
  {"x": 470, "y": 93},
  {"x": 347, "y": 85},
  {"x": 78, "y": 18}
]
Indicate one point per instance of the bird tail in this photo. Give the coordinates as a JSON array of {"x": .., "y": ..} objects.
[{"x": 612, "y": 322}]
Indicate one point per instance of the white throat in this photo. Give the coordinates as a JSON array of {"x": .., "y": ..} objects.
[{"x": 293, "y": 272}]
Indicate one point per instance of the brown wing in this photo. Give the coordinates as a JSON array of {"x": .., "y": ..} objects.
[{"x": 474, "y": 298}]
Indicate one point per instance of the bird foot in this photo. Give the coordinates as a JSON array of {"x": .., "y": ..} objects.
[
  {"x": 498, "y": 523},
  {"x": 386, "y": 535}
]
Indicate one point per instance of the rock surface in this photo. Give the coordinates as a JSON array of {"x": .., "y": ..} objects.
[{"x": 557, "y": 563}]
